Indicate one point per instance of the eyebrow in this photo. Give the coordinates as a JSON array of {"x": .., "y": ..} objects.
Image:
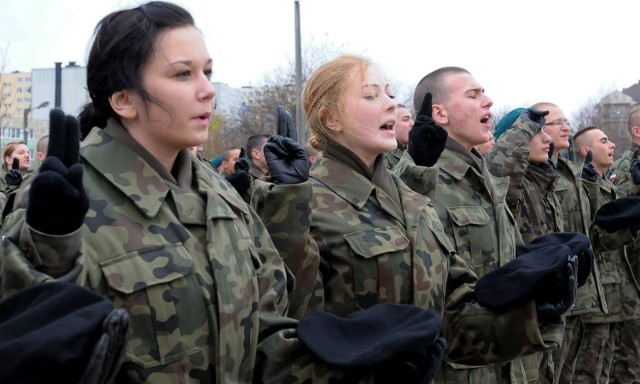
[{"x": 188, "y": 62}]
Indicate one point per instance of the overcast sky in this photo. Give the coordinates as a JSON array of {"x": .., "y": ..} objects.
[{"x": 522, "y": 52}]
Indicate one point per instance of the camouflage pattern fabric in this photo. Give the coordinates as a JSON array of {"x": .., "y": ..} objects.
[
  {"x": 626, "y": 368},
  {"x": 531, "y": 196},
  {"x": 197, "y": 272},
  {"x": 622, "y": 295},
  {"x": 471, "y": 204},
  {"x": 534, "y": 204},
  {"x": 392, "y": 158},
  {"x": 596, "y": 353},
  {"x": 370, "y": 250}
]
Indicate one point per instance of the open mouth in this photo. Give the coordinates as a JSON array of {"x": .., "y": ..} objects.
[
  {"x": 485, "y": 119},
  {"x": 388, "y": 126}
]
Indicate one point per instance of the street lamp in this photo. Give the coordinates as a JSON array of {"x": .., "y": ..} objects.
[{"x": 26, "y": 115}]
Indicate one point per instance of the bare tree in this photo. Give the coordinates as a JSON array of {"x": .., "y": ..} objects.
[{"x": 5, "y": 115}]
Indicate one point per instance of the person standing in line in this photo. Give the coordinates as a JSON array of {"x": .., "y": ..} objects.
[
  {"x": 255, "y": 153},
  {"x": 471, "y": 202},
  {"x": 404, "y": 123},
  {"x": 625, "y": 174},
  {"x": 522, "y": 154},
  {"x": 374, "y": 240},
  {"x": 229, "y": 157},
  {"x": 602, "y": 331}
]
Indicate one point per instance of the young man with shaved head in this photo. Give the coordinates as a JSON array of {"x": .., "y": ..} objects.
[{"x": 602, "y": 331}]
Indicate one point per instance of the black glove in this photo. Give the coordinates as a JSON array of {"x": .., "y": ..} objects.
[
  {"x": 106, "y": 358},
  {"x": 286, "y": 127},
  {"x": 286, "y": 160},
  {"x": 589, "y": 172},
  {"x": 57, "y": 199},
  {"x": 242, "y": 162},
  {"x": 240, "y": 180},
  {"x": 549, "y": 305},
  {"x": 14, "y": 177},
  {"x": 634, "y": 168},
  {"x": 426, "y": 139},
  {"x": 534, "y": 117}
]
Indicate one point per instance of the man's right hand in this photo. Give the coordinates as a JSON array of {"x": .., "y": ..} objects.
[
  {"x": 589, "y": 172},
  {"x": 426, "y": 139}
]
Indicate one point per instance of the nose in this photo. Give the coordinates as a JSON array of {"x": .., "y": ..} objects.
[
  {"x": 207, "y": 90},
  {"x": 486, "y": 101}
]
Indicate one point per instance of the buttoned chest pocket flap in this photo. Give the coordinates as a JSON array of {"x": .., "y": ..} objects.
[
  {"x": 380, "y": 258},
  {"x": 472, "y": 234},
  {"x": 158, "y": 288}
]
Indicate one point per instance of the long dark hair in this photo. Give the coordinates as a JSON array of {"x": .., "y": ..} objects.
[{"x": 123, "y": 43}]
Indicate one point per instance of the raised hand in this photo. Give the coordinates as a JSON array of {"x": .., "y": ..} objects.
[
  {"x": 426, "y": 139},
  {"x": 535, "y": 117},
  {"x": 589, "y": 172},
  {"x": 14, "y": 177},
  {"x": 57, "y": 199},
  {"x": 286, "y": 160}
]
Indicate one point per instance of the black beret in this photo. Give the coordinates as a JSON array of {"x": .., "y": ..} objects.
[
  {"x": 619, "y": 214},
  {"x": 48, "y": 332},
  {"x": 515, "y": 283},
  {"x": 578, "y": 244},
  {"x": 372, "y": 336}
]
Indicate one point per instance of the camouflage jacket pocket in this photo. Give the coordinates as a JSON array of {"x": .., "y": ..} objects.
[
  {"x": 167, "y": 309},
  {"x": 380, "y": 263},
  {"x": 472, "y": 232}
]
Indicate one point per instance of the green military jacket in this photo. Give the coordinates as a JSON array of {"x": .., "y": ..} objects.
[
  {"x": 531, "y": 195},
  {"x": 471, "y": 204},
  {"x": 621, "y": 289},
  {"x": 190, "y": 261},
  {"x": 366, "y": 249},
  {"x": 392, "y": 158},
  {"x": 574, "y": 195},
  {"x": 621, "y": 177}
]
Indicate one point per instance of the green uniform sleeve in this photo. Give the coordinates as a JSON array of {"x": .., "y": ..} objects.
[{"x": 423, "y": 180}]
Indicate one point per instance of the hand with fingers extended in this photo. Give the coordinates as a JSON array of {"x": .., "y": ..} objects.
[
  {"x": 534, "y": 117},
  {"x": 14, "y": 176},
  {"x": 58, "y": 202},
  {"x": 426, "y": 139},
  {"x": 634, "y": 168},
  {"x": 286, "y": 160},
  {"x": 589, "y": 171}
]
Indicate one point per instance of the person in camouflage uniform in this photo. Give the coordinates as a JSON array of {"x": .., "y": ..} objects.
[
  {"x": 522, "y": 153},
  {"x": 371, "y": 239},
  {"x": 602, "y": 330},
  {"x": 404, "y": 123},
  {"x": 470, "y": 201},
  {"x": 626, "y": 366},
  {"x": 130, "y": 214},
  {"x": 573, "y": 195}
]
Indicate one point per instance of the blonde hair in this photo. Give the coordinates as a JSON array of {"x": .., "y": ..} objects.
[
  {"x": 323, "y": 94},
  {"x": 8, "y": 151}
]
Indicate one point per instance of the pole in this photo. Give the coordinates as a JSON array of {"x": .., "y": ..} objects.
[
  {"x": 25, "y": 131},
  {"x": 300, "y": 126}
]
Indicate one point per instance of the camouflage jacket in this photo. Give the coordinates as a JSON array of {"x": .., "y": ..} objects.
[
  {"x": 392, "y": 158},
  {"x": 190, "y": 261},
  {"x": 621, "y": 177},
  {"x": 621, "y": 290},
  {"x": 531, "y": 196},
  {"x": 369, "y": 250},
  {"x": 471, "y": 205},
  {"x": 619, "y": 173},
  {"x": 573, "y": 194}
]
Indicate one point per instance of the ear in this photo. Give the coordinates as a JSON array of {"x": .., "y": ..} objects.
[
  {"x": 635, "y": 131},
  {"x": 330, "y": 121},
  {"x": 439, "y": 114},
  {"x": 123, "y": 104}
]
